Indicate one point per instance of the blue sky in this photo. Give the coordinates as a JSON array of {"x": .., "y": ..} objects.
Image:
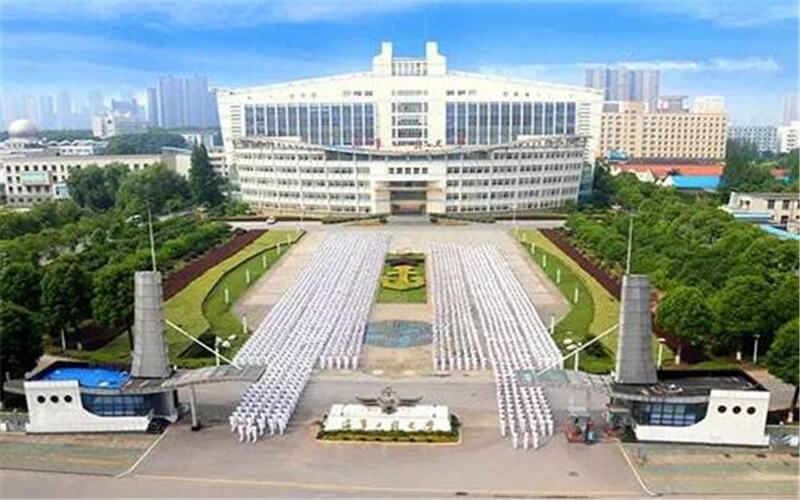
[{"x": 745, "y": 50}]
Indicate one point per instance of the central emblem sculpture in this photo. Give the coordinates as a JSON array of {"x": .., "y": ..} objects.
[{"x": 389, "y": 401}]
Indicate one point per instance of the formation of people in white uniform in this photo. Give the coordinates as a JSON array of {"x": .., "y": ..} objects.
[
  {"x": 321, "y": 318},
  {"x": 475, "y": 290}
]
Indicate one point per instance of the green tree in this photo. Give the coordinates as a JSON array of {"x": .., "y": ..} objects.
[
  {"x": 112, "y": 305},
  {"x": 156, "y": 187},
  {"x": 203, "y": 180},
  {"x": 783, "y": 357},
  {"x": 96, "y": 188},
  {"x": 66, "y": 296},
  {"x": 149, "y": 142},
  {"x": 740, "y": 310},
  {"x": 685, "y": 313},
  {"x": 20, "y": 341},
  {"x": 20, "y": 284}
]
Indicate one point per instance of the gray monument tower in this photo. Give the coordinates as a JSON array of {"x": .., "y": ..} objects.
[
  {"x": 150, "y": 356},
  {"x": 634, "y": 350}
]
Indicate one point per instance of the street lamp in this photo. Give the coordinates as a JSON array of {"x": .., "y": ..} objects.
[
  {"x": 219, "y": 342},
  {"x": 630, "y": 237},
  {"x": 661, "y": 341},
  {"x": 575, "y": 348},
  {"x": 514, "y": 214},
  {"x": 755, "y": 348}
]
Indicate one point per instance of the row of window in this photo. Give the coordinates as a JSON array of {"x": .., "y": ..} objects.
[
  {"x": 500, "y": 122},
  {"x": 454, "y": 183},
  {"x": 513, "y": 169},
  {"x": 501, "y": 195},
  {"x": 505, "y": 207},
  {"x": 505, "y": 154},
  {"x": 349, "y": 124}
]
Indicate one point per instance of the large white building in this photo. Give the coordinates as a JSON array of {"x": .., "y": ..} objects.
[{"x": 409, "y": 136}]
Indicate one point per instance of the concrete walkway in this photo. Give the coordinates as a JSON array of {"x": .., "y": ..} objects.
[{"x": 260, "y": 298}]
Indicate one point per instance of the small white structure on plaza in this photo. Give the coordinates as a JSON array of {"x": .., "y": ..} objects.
[{"x": 387, "y": 412}]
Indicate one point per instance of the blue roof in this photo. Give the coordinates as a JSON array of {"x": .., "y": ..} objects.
[
  {"x": 780, "y": 233},
  {"x": 696, "y": 181},
  {"x": 88, "y": 377}
]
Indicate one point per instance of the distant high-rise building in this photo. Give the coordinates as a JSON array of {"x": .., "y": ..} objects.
[
  {"x": 96, "y": 106},
  {"x": 152, "y": 107},
  {"x": 184, "y": 102},
  {"x": 626, "y": 84},
  {"x": 46, "y": 112},
  {"x": 125, "y": 106},
  {"x": 32, "y": 109},
  {"x": 791, "y": 110},
  {"x": 63, "y": 110},
  {"x": 763, "y": 137}
]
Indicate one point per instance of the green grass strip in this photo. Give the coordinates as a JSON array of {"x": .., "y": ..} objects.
[
  {"x": 595, "y": 312},
  {"x": 188, "y": 307}
]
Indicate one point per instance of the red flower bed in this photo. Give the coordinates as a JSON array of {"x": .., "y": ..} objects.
[
  {"x": 689, "y": 353},
  {"x": 176, "y": 281}
]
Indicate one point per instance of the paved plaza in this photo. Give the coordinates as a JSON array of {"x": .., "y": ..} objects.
[
  {"x": 212, "y": 463},
  {"x": 481, "y": 464}
]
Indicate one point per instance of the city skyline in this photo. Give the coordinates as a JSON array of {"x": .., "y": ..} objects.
[{"x": 724, "y": 48}]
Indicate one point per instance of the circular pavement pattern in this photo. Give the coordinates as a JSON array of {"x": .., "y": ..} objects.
[{"x": 398, "y": 334}]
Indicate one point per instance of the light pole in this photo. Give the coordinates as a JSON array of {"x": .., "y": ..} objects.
[
  {"x": 661, "y": 341},
  {"x": 755, "y": 348},
  {"x": 219, "y": 342},
  {"x": 514, "y": 215},
  {"x": 630, "y": 237}
]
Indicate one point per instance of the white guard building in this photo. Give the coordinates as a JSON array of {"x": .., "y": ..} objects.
[{"x": 409, "y": 137}]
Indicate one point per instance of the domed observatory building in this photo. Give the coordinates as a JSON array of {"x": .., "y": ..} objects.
[{"x": 410, "y": 136}]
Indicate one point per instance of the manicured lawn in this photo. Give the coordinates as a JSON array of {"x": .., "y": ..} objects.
[
  {"x": 595, "y": 312},
  {"x": 412, "y": 296},
  {"x": 188, "y": 307},
  {"x": 200, "y": 308},
  {"x": 116, "y": 351}
]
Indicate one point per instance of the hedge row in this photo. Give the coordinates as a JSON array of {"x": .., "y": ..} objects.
[
  {"x": 176, "y": 281},
  {"x": 352, "y": 218},
  {"x": 689, "y": 353}
]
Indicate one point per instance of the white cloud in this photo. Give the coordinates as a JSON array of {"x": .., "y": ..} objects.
[
  {"x": 206, "y": 14},
  {"x": 732, "y": 13},
  {"x": 716, "y": 64}
]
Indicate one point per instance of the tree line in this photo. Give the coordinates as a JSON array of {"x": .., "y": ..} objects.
[
  {"x": 65, "y": 262},
  {"x": 721, "y": 282}
]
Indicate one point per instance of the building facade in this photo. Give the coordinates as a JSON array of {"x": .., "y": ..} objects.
[
  {"x": 777, "y": 209},
  {"x": 409, "y": 136},
  {"x": 628, "y": 127},
  {"x": 763, "y": 137},
  {"x": 31, "y": 179},
  {"x": 113, "y": 123},
  {"x": 626, "y": 84},
  {"x": 788, "y": 137}
]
